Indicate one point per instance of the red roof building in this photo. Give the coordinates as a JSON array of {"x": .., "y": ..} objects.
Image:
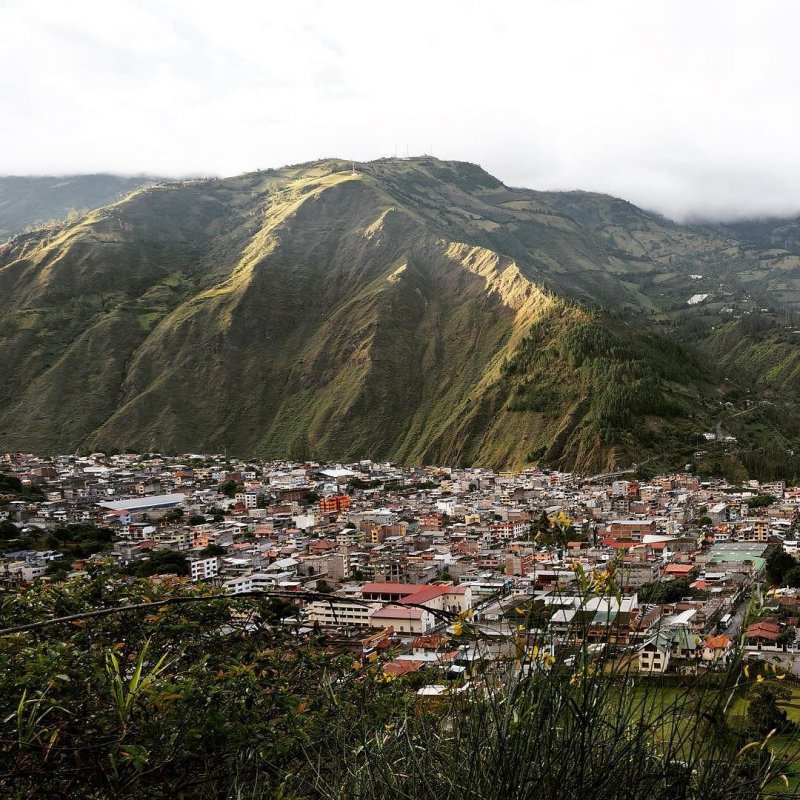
[{"x": 763, "y": 632}]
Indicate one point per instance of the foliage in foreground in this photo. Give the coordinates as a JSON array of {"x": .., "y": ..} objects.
[{"x": 212, "y": 699}]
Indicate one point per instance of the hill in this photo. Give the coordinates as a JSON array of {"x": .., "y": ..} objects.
[
  {"x": 33, "y": 200},
  {"x": 416, "y": 309}
]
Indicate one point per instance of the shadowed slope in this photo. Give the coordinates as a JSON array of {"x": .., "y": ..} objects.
[{"x": 415, "y": 309}]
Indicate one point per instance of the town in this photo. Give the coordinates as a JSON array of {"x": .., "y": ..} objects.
[{"x": 390, "y": 562}]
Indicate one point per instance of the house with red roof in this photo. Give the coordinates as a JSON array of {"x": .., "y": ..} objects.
[
  {"x": 763, "y": 633},
  {"x": 717, "y": 649},
  {"x": 442, "y": 597},
  {"x": 400, "y": 667},
  {"x": 407, "y": 604},
  {"x": 679, "y": 570}
]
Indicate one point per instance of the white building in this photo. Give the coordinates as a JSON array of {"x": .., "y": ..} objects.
[
  {"x": 204, "y": 568},
  {"x": 336, "y": 613},
  {"x": 254, "y": 582},
  {"x": 407, "y": 622}
]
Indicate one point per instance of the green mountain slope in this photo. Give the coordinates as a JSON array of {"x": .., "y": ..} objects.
[
  {"x": 29, "y": 201},
  {"x": 415, "y": 309}
]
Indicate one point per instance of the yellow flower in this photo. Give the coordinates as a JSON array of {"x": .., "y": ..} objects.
[
  {"x": 759, "y": 679},
  {"x": 746, "y": 671},
  {"x": 535, "y": 651},
  {"x": 458, "y": 628},
  {"x": 780, "y": 677}
]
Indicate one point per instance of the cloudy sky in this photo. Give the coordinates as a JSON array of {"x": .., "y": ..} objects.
[{"x": 690, "y": 108}]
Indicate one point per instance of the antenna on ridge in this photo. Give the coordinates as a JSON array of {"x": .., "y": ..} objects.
[{"x": 354, "y": 169}]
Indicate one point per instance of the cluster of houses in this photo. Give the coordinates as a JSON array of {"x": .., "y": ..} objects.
[{"x": 383, "y": 557}]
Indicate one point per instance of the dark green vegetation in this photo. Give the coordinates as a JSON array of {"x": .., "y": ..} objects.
[
  {"x": 212, "y": 699},
  {"x": 418, "y": 310},
  {"x": 665, "y": 591},
  {"x": 162, "y": 562},
  {"x": 782, "y": 569},
  {"x": 29, "y": 201},
  {"x": 13, "y": 488},
  {"x": 74, "y": 541}
]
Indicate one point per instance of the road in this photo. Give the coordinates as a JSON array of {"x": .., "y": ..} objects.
[
  {"x": 788, "y": 661},
  {"x": 737, "y": 617},
  {"x": 630, "y": 470},
  {"x": 737, "y": 414}
]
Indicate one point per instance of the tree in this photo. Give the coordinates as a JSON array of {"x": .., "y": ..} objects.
[
  {"x": 792, "y": 577},
  {"x": 58, "y": 569},
  {"x": 173, "y": 515},
  {"x": 211, "y": 550},
  {"x": 8, "y": 530},
  {"x": 761, "y": 500},
  {"x": 228, "y": 488},
  {"x": 763, "y": 714},
  {"x": 78, "y": 540},
  {"x": 660, "y": 592},
  {"x": 217, "y": 514},
  {"x": 162, "y": 562},
  {"x": 10, "y": 483},
  {"x": 786, "y": 637},
  {"x": 779, "y": 562}
]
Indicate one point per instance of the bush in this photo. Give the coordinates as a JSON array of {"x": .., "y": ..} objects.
[
  {"x": 212, "y": 698},
  {"x": 161, "y": 562}
]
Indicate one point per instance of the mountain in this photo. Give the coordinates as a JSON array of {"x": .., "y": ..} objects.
[
  {"x": 29, "y": 201},
  {"x": 412, "y": 309}
]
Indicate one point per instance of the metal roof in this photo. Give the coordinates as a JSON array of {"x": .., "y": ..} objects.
[{"x": 151, "y": 501}]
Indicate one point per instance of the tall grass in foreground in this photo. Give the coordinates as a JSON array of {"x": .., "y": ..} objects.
[
  {"x": 214, "y": 698},
  {"x": 534, "y": 728}
]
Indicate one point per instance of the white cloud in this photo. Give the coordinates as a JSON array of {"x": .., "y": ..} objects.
[{"x": 686, "y": 107}]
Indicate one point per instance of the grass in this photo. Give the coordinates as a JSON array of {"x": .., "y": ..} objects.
[
  {"x": 545, "y": 736},
  {"x": 148, "y": 319}
]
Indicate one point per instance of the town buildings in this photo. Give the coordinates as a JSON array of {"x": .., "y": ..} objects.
[{"x": 369, "y": 547}]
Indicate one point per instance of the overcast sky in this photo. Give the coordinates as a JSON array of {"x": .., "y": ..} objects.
[{"x": 684, "y": 107}]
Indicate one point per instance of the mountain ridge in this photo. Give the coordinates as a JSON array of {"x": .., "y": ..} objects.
[
  {"x": 30, "y": 201},
  {"x": 413, "y": 309}
]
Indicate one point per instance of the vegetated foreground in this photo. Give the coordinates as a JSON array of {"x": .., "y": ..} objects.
[
  {"x": 415, "y": 310},
  {"x": 213, "y": 697}
]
